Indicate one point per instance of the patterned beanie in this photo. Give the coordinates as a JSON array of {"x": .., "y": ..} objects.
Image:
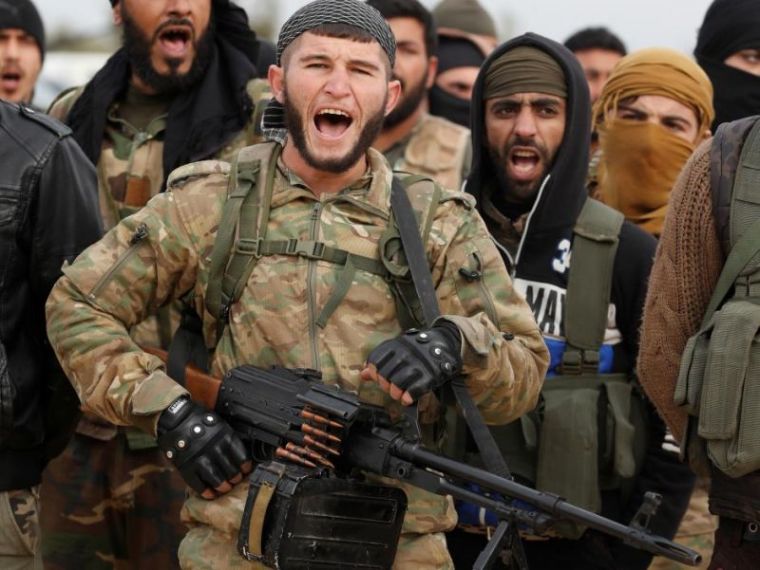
[{"x": 349, "y": 12}]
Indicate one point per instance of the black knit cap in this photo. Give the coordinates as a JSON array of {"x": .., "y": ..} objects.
[
  {"x": 349, "y": 12},
  {"x": 23, "y": 15}
]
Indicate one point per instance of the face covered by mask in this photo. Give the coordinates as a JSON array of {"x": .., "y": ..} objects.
[
  {"x": 641, "y": 163},
  {"x": 448, "y": 106}
]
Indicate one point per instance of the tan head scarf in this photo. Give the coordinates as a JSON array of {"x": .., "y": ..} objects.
[
  {"x": 640, "y": 161},
  {"x": 658, "y": 71}
]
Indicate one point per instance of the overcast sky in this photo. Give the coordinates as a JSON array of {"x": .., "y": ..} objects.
[{"x": 642, "y": 23}]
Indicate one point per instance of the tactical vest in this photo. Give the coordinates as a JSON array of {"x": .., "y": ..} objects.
[
  {"x": 439, "y": 149},
  {"x": 586, "y": 434},
  {"x": 241, "y": 241},
  {"x": 719, "y": 377}
]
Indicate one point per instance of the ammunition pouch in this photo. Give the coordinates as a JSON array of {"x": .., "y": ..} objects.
[
  {"x": 299, "y": 518},
  {"x": 719, "y": 377},
  {"x": 585, "y": 437},
  {"x": 719, "y": 386}
]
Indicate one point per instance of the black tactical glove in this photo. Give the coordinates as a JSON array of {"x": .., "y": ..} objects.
[
  {"x": 202, "y": 446},
  {"x": 420, "y": 361}
]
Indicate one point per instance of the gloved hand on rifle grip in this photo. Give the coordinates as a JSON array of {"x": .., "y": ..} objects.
[
  {"x": 202, "y": 446},
  {"x": 418, "y": 362}
]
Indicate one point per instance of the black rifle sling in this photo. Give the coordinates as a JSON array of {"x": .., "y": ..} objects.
[
  {"x": 507, "y": 535},
  {"x": 423, "y": 285}
]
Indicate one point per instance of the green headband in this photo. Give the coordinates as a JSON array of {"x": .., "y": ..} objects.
[{"x": 525, "y": 70}]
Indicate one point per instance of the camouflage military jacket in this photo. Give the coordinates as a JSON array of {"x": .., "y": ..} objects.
[
  {"x": 131, "y": 168},
  {"x": 162, "y": 252},
  {"x": 436, "y": 148},
  {"x": 130, "y": 172}
]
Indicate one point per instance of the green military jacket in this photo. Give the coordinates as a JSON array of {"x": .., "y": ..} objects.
[{"x": 163, "y": 252}]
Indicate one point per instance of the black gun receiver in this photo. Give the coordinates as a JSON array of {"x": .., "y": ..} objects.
[{"x": 291, "y": 415}]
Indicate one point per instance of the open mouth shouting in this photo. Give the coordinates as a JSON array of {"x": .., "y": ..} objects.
[
  {"x": 332, "y": 123},
  {"x": 175, "y": 41},
  {"x": 524, "y": 163},
  {"x": 10, "y": 80}
]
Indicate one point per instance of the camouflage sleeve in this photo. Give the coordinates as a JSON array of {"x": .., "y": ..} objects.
[
  {"x": 62, "y": 104},
  {"x": 144, "y": 262},
  {"x": 504, "y": 355}
]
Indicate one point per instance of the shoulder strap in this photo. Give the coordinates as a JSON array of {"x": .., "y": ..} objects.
[
  {"x": 745, "y": 195},
  {"x": 242, "y": 227},
  {"x": 423, "y": 283},
  {"x": 595, "y": 242},
  {"x": 414, "y": 251},
  {"x": 725, "y": 151},
  {"x": 744, "y": 223}
]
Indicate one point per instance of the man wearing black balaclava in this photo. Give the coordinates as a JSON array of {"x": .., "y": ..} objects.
[
  {"x": 728, "y": 49},
  {"x": 459, "y": 61},
  {"x": 182, "y": 88}
]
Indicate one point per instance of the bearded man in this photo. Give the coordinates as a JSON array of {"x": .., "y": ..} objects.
[
  {"x": 181, "y": 88},
  {"x": 583, "y": 270},
  {"x": 411, "y": 139},
  {"x": 323, "y": 190}
]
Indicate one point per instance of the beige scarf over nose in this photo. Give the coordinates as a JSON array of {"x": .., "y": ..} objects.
[
  {"x": 640, "y": 166},
  {"x": 640, "y": 163}
]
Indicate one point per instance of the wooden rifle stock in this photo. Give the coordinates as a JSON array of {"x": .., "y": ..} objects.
[{"x": 203, "y": 388}]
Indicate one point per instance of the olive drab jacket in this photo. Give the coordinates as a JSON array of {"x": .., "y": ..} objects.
[{"x": 163, "y": 252}]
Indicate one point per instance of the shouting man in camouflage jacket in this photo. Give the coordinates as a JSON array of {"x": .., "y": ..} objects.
[
  {"x": 182, "y": 88},
  {"x": 323, "y": 191}
]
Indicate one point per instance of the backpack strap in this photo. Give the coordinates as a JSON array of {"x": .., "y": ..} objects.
[
  {"x": 725, "y": 151},
  {"x": 595, "y": 243},
  {"x": 744, "y": 229},
  {"x": 244, "y": 209}
]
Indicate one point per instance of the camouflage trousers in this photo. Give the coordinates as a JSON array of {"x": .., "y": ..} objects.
[
  {"x": 20, "y": 530},
  {"x": 696, "y": 531},
  {"x": 108, "y": 506},
  {"x": 205, "y": 548}
]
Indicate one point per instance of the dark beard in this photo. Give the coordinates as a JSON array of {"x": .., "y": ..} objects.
[
  {"x": 408, "y": 104},
  {"x": 294, "y": 124},
  {"x": 511, "y": 191},
  {"x": 137, "y": 46}
]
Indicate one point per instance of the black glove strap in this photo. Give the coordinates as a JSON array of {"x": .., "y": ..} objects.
[{"x": 201, "y": 445}]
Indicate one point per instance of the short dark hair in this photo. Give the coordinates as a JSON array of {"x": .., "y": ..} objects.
[
  {"x": 410, "y": 9},
  {"x": 595, "y": 38}
]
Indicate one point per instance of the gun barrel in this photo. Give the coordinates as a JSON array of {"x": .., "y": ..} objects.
[{"x": 549, "y": 503}]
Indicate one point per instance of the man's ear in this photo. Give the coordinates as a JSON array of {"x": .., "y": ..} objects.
[
  {"x": 276, "y": 77},
  {"x": 116, "y": 14},
  {"x": 705, "y": 135},
  {"x": 394, "y": 91},
  {"x": 432, "y": 71}
]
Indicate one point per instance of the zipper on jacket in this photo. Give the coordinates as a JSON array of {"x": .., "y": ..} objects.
[
  {"x": 477, "y": 275},
  {"x": 140, "y": 234},
  {"x": 311, "y": 293}
]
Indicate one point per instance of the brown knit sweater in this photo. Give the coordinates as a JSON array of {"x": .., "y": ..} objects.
[{"x": 686, "y": 269}]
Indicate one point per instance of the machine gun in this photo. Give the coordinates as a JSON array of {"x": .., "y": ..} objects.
[{"x": 292, "y": 416}]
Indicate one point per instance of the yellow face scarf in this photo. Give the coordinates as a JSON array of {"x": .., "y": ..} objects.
[{"x": 640, "y": 166}]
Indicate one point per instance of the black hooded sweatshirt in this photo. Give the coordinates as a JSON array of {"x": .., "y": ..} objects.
[{"x": 539, "y": 266}]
